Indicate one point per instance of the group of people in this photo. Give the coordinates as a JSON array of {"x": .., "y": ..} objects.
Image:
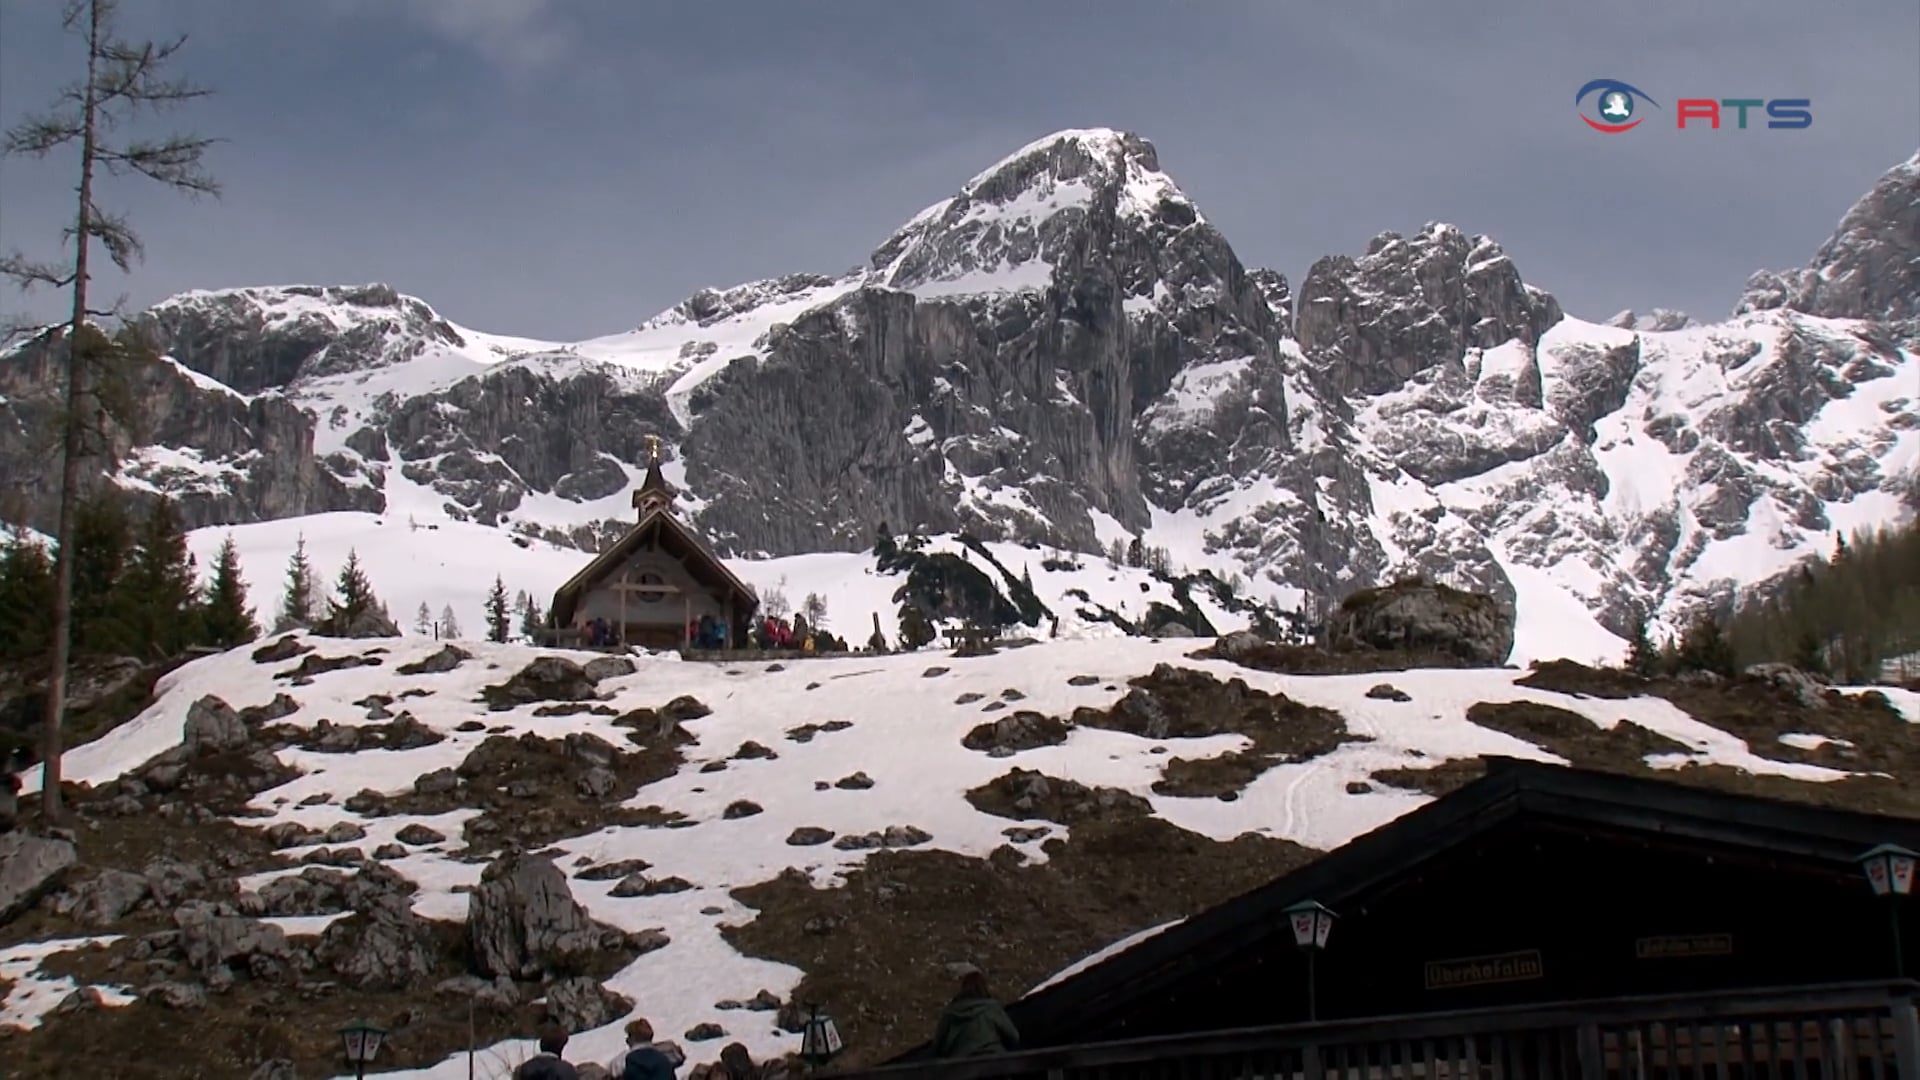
[
  {"x": 972, "y": 1024},
  {"x": 712, "y": 632},
  {"x": 707, "y": 632},
  {"x": 643, "y": 1059}
]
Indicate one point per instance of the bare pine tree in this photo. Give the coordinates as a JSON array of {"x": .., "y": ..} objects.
[{"x": 122, "y": 78}]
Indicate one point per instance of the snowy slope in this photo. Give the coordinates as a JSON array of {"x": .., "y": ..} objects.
[
  {"x": 906, "y": 735},
  {"x": 453, "y": 564}
]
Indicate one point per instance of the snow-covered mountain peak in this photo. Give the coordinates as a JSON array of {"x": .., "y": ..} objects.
[
  {"x": 303, "y": 334},
  {"x": 1009, "y": 226},
  {"x": 1094, "y": 156}
]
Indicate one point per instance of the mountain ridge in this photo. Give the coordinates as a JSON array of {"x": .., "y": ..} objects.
[{"x": 1066, "y": 350}]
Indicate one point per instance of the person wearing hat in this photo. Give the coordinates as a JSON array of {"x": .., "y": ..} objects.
[{"x": 973, "y": 1023}]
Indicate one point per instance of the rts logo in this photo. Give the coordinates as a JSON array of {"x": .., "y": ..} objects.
[{"x": 1617, "y": 104}]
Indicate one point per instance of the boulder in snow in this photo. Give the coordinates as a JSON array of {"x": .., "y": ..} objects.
[{"x": 1416, "y": 615}]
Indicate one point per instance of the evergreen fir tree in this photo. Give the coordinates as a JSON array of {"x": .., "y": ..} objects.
[
  {"x": 885, "y": 549},
  {"x": 449, "y": 626},
  {"x": 423, "y": 620},
  {"x": 1705, "y": 648},
  {"x": 1134, "y": 558},
  {"x": 102, "y": 556},
  {"x": 160, "y": 592},
  {"x": 915, "y": 631},
  {"x": 297, "y": 602},
  {"x": 499, "y": 620},
  {"x": 532, "y": 621},
  {"x": 355, "y": 599},
  {"x": 26, "y": 598},
  {"x": 1809, "y": 653},
  {"x": 1669, "y": 656},
  {"x": 1643, "y": 658},
  {"x": 227, "y": 621}
]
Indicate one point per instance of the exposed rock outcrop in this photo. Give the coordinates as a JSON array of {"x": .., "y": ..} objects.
[
  {"x": 1868, "y": 269},
  {"x": 1420, "y": 616}
]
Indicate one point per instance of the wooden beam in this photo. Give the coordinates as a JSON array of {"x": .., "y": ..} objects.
[{"x": 635, "y": 586}]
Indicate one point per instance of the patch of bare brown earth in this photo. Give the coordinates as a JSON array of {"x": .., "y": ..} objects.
[
  {"x": 1444, "y": 778},
  {"x": 1315, "y": 660},
  {"x": 1870, "y": 736},
  {"x": 875, "y": 950},
  {"x": 1623, "y": 747},
  {"x": 533, "y": 791},
  {"x": 1181, "y": 703},
  {"x": 175, "y": 857}
]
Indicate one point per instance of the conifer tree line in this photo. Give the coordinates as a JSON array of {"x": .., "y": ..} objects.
[
  {"x": 1842, "y": 616},
  {"x": 136, "y": 589}
]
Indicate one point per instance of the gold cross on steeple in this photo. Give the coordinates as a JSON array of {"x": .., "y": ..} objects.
[{"x": 653, "y": 449}]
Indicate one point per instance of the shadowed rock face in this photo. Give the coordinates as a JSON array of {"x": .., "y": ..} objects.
[
  {"x": 222, "y": 457},
  {"x": 1868, "y": 269},
  {"x": 1413, "y": 302},
  {"x": 908, "y": 381}
]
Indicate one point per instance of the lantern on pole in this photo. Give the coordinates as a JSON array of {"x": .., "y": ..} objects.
[
  {"x": 1890, "y": 871},
  {"x": 362, "y": 1041},
  {"x": 1311, "y": 923}
]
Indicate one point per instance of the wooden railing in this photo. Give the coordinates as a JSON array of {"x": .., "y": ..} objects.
[{"x": 1854, "y": 1031}]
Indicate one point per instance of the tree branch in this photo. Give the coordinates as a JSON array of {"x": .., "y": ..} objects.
[
  {"x": 37, "y": 136},
  {"x": 27, "y": 275},
  {"x": 174, "y": 161},
  {"x": 131, "y": 74},
  {"x": 114, "y": 232}
]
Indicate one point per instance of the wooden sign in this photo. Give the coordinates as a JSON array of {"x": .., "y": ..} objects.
[
  {"x": 1484, "y": 970},
  {"x": 1681, "y": 945}
]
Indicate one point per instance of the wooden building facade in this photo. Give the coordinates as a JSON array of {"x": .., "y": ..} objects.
[
  {"x": 655, "y": 582},
  {"x": 1533, "y": 904}
]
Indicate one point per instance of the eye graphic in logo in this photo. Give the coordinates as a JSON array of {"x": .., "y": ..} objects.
[{"x": 1617, "y": 103}]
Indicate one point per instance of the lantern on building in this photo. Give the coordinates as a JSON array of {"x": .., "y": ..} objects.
[
  {"x": 1311, "y": 923},
  {"x": 1890, "y": 871}
]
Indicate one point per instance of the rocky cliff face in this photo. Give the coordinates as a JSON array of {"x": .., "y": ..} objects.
[
  {"x": 1869, "y": 269},
  {"x": 986, "y": 369},
  {"x": 1066, "y": 349},
  {"x": 222, "y": 456}
]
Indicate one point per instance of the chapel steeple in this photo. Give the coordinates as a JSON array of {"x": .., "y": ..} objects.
[{"x": 654, "y": 492}]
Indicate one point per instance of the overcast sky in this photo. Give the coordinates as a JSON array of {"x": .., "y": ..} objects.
[{"x": 567, "y": 168}]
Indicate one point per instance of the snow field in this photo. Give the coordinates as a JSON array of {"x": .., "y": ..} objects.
[{"x": 906, "y": 736}]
